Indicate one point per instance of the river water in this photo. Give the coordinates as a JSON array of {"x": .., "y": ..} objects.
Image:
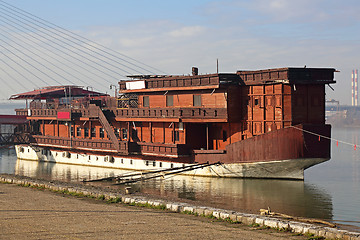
[{"x": 331, "y": 190}]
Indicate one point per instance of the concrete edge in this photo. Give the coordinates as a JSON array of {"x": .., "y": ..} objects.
[{"x": 226, "y": 215}]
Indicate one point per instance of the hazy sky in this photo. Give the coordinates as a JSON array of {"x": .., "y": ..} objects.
[{"x": 175, "y": 35}]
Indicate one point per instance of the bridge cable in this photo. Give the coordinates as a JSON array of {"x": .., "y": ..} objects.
[
  {"x": 36, "y": 60},
  {"x": 52, "y": 57},
  {"x": 30, "y": 63},
  {"x": 49, "y": 39},
  {"x": 49, "y": 24},
  {"x": 101, "y": 60},
  {"x": 22, "y": 68}
]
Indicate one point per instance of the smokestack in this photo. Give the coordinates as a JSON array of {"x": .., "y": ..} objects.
[
  {"x": 356, "y": 87},
  {"x": 195, "y": 71},
  {"x": 352, "y": 88}
]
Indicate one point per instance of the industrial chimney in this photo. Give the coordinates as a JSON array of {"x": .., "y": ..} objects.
[
  {"x": 195, "y": 71},
  {"x": 356, "y": 87},
  {"x": 352, "y": 87}
]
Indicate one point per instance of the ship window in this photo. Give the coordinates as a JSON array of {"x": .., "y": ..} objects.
[
  {"x": 278, "y": 101},
  {"x": 116, "y": 131},
  {"x": 176, "y": 136},
  {"x": 224, "y": 135},
  {"x": 146, "y": 101},
  {"x": 78, "y": 131},
  {"x": 169, "y": 100},
  {"x": 135, "y": 135},
  {"x": 93, "y": 132},
  {"x": 101, "y": 133},
  {"x": 86, "y": 132},
  {"x": 181, "y": 126},
  {"x": 124, "y": 133},
  {"x": 197, "y": 100},
  {"x": 256, "y": 102},
  {"x": 269, "y": 101},
  {"x": 72, "y": 131}
]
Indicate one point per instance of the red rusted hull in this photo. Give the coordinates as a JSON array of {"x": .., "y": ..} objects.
[{"x": 296, "y": 142}]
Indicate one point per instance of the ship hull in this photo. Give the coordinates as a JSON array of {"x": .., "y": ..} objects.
[{"x": 280, "y": 169}]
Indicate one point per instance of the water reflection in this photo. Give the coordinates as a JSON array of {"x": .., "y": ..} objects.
[
  {"x": 290, "y": 197},
  {"x": 63, "y": 172}
]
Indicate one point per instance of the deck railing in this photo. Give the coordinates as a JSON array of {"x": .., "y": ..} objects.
[
  {"x": 155, "y": 149},
  {"x": 188, "y": 113},
  {"x": 161, "y": 149},
  {"x": 202, "y": 113},
  {"x": 96, "y": 144}
]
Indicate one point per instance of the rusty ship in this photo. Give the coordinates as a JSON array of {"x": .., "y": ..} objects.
[{"x": 254, "y": 124}]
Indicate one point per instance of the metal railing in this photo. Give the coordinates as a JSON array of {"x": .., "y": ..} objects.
[
  {"x": 203, "y": 113},
  {"x": 96, "y": 144}
]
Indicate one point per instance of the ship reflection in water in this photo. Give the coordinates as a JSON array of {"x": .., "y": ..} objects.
[
  {"x": 290, "y": 197},
  {"x": 249, "y": 195}
]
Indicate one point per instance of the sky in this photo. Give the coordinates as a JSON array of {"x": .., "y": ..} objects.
[{"x": 173, "y": 36}]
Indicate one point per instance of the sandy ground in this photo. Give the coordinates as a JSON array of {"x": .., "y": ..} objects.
[{"x": 27, "y": 213}]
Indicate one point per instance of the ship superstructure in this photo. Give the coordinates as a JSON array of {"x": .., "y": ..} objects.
[{"x": 264, "y": 124}]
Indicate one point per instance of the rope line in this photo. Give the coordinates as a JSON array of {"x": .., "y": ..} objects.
[{"x": 319, "y": 135}]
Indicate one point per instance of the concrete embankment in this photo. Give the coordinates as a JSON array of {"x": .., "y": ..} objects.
[{"x": 229, "y": 216}]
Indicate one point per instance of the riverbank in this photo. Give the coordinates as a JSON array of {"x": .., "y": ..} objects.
[{"x": 210, "y": 214}]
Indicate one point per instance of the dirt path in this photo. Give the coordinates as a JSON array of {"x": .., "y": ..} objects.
[{"x": 27, "y": 213}]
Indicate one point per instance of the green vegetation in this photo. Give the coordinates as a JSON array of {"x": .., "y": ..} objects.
[
  {"x": 147, "y": 205},
  {"x": 114, "y": 200},
  {"x": 101, "y": 197}
]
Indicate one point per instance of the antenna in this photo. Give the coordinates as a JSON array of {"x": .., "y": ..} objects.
[{"x": 217, "y": 65}]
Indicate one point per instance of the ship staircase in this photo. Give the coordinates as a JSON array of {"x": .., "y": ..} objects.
[{"x": 97, "y": 113}]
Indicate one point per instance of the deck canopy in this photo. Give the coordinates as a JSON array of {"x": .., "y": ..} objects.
[
  {"x": 56, "y": 92},
  {"x": 12, "y": 119}
]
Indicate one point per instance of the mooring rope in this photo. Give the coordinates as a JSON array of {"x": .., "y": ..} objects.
[{"x": 329, "y": 138}]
